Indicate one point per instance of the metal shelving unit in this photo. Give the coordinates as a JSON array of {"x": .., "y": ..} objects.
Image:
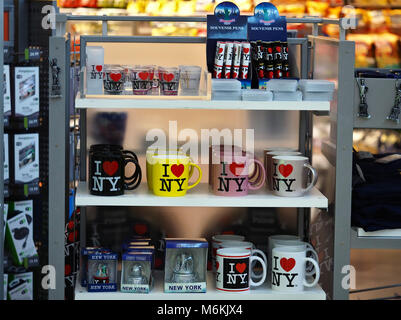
[
  {"x": 338, "y": 57},
  {"x": 1, "y": 152}
]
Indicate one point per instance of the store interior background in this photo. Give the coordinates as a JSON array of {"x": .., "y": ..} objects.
[{"x": 377, "y": 45}]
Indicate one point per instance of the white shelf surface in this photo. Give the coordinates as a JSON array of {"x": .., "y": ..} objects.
[
  {"x": 263, "y": 292},
  {"x": 127, "y": 102},
  {"x": 200, "y": 196}
]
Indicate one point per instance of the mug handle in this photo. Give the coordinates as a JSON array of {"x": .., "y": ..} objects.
[
  {"x": 137, "y": 168},
  {"x": 262, "y": 178},
  {"x": 261, "y": 281},
  {"x": 314, "y": 177},
  {"x": 314, "y": 282},
  {"x": 191, "y": 169},
  {"x": 309, "y": 248},
  {"x": 260, "y": 252},
  {"x": 199, "y": 178},
  {"x": 132, "y": 185}
]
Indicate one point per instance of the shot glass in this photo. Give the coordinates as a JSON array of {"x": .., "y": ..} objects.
[
  {"x": 142, "y": 79},
  {"x": 189, "y": 80},
  {"x": 169, "y": 81},
  {"x": 113, "y": 79}
]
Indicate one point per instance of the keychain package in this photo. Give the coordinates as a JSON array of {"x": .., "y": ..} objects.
[
  {"x": 26, "y": 91},
  {"x": 23, "y": 290},
  {"x": 136, "y": 274},
  {"x": 19, "y": 231},
  {"x": 20, "y": 289},
  {"x": 5, "y": 284},
  {"x": 6, "y": 94},
  {"x": 6, "y": 160},
  {"x": 102, "y": 272},
  {"x": 5, "y": 219},
  {"x": 26, "y": 158},
  {"x": 185, "y": 265}
]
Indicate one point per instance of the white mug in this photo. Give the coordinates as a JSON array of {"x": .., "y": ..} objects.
[
  {"x": 248, "y": 246},
  {"x": 233, "y": 270},
  {"x": 306, "y": 246},
  {"x": 218, "y": 239},
  {"x": 288, "y": 266},
  {"x": 272, "y": 242}
]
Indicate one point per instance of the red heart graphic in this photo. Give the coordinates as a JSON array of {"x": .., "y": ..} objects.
[
  {"x": 234, "y": 166},
  {"x": 270, "y": 50},
  {"x": 99, "y": 68},
  {"x": 115, "y": 76},
  {"x": 287, "y": 264},
  {"x": 246, "y": 50},
  {"x": 140, "y": 228},
  {"x": 278, "y": 49},
  {"x": 143, "y": 75},
  {"x": 240, "y": 267},
  {"x": 168, "y": 77},
  {"x": 220, "y": 50},
  {"x": 285, "y": 170},
  {"x": 110, "y": 167},
  {"x": 217, "y": 265},
  {"x": 177, "y": 170}
]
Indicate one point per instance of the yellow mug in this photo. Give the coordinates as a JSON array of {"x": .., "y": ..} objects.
[
  {"x": 154, "y": 151},
  {"x": 170, "y": 175}
]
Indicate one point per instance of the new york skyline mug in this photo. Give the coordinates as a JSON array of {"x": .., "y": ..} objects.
[
  {"x": 248, "y": 246},
  {"x": 170, "y": 175},
  {"x": 290, "y": 176},
  {"x": 288, "y": 266},
  {"x": 107, "y": 172},
  {"x": 233, "y": 269},
  {"x": 232, "y": 178}
]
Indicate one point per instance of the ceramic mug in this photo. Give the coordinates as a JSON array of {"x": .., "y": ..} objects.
[
  {"x": 248, "y": 246},
  {"x": 218, "y": 240},
  {"x": 170, "y": 175},
  {"x": 310, "y": 251},
  {"x": 290, "y": 176},
  {"x": 153, "y": 151},
  {"x": 107, "y": 173},
  {"x": 231, "y": 177},
  {"x": 234, "y": 268},
  {"x": 273, "y": 239},
  {"x": 268, "y": 164},
  {"x": 215, "y": 157},
  {"x": 288, "y": 266}
]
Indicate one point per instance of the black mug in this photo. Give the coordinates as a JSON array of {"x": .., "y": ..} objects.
[
  {"x": 107, "y": 172},
  {"x": 112, "y": 148}
]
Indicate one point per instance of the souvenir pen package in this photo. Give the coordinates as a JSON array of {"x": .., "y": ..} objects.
[
  {"x": 232, "y": 60},
  {"x": 26, "y": 158},
  {"x": 26, "y": 91},
  {"x": 102, "y": 272},
  {"x": 185, "y": 265},
  {"x": 136, "y": 274},
  {"x": 228, "y": 51}
]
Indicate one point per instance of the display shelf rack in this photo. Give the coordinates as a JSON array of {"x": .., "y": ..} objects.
[
  {"x": 128, "y": 102},
  {"x": 200, "y": 196},
  {"x": 264, "y": 292}
]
